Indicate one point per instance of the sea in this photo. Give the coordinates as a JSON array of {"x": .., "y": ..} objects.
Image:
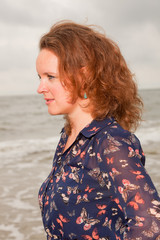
[{"x": 28, "y": 139}]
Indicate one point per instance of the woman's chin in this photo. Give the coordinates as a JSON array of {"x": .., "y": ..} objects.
[{"x": 54, "y": 112}]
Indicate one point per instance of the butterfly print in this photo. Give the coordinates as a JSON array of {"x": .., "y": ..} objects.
[
  {"x": 53, "y": 206},
  {"x": 119, "y": 225},
  {"x": 133, "y": 153},
  {"x": 88, "y": 222},
  {"x": 53, "y": 193},
  {"x": 114, "y": 126},
  {"x": 65, "y": 198},
  {"x": 61, "y": 174},
  {"x": 97, "y": 141},
  {"x": 110, "y": 149},
  {"x": 107, "y": 223},
  {"x": 82, "y": 155},
  {"x": 75, "y": 151},
  {"x": 47, "y": 215},
  {"x": 113, "y": 141},
  {"x": 138, "y": 200},
  {"x": 113, "y": 145},
  {"x": 114, "y": 173},
  {"x": 156, "y": 203},
  {"x": 73, "y": 190},
  {"x": 71, "y": 235},
  {"x": 118, "y": 203},
  {"x": 138, "y": 165},
  {"x": 59, "y": 161},
  {"x": 95, "y": 236},
  {"x": 87, "y": 189},
  {"x": 99, "y": 196},
  {"x": 91, "y": 152},
  {"x": 114, "y": 211},
  {"x": 152, "y": 230},
  {"x": 64, "y": 176},
  {"x": 81, "y": 142},
  {"x": 59, "y": 189},
  {"x": 99, "y": 157},
  {"x": 40, "y": 201},
  {"x": 82, "y": 199},
  {"x": 71, "y": 214},
  {"x": 47, "y": 202},
  {"x": 62, "y": 220},
  {"x": 132, "y": 138},
  {"x": 53, "y": 226},
  {"x": 74, "y": 175},
  {"x": 61, "y": 232},
  {"x": 102, "y": 209},
  {"x": 81, "y": 181},
  {"x": 110, "y": 160},
  {"x": 155, "y": 210},
  {"x": 94, "y": 129},
  {"x": 139, "y": 221},
  {"x": 100, "y": 176},
  {"x": 126, "y": 141},
  {"x": 148, "y": 189},
  {"x": 95, "y": 173},
  {"x": 128, "y": 187},
  {"x": 138, "y": 173},
  {"x": 50, "y": 235},
  {"x": 124, "y": 163},
  {"x": 117, "y": 238}
]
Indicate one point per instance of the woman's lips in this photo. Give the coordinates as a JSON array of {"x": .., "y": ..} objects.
[{"x": 48, "y": 100}]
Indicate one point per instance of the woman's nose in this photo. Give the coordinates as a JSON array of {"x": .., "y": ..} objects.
[{"x": 42, "y": 87}]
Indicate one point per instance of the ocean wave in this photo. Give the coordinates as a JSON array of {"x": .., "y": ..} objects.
[
  {"x": 149, "y": 134},
  {"x": 22, "y": 150},
  {"x": 12, "y": 230}
]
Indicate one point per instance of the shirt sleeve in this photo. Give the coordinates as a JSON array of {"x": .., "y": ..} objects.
[{"x": 134, "y": 191}]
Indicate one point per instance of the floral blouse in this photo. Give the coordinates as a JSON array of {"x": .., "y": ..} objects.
[{"x": 99, "y": 189}]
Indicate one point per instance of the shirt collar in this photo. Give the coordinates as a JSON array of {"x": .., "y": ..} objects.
[{"x": 95, "y": 126}]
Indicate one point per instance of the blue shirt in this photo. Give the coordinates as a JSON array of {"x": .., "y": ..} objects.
[{"x": 99, "y": 189}]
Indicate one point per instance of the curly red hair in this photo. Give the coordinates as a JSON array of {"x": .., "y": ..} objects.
[{"x": 91, "y": 63}]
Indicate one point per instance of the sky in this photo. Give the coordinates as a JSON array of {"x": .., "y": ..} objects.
[{"x": 133, "y": 24}]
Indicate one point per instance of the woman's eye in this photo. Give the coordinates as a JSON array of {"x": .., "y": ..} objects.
[{"x": 51, "y": 77}]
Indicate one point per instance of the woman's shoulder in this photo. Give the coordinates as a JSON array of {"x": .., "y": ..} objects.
[
  {"x": 114, "y": 131},
  {"x": 113, "y": 140}
]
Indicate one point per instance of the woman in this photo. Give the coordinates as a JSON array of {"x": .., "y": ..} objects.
[{"x": 98, "y": 187}]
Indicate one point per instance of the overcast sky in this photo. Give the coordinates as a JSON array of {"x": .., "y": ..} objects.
[{"x": 133, "y": 24}]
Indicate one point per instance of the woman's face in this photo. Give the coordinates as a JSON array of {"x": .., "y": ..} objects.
[{"x": 55, "y": 95}]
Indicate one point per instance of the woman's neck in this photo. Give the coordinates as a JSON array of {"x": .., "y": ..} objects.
[{"x": 79, "y": 122}]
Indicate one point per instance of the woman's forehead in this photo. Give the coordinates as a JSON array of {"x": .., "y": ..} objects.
[{"x": 47, "y": 61}]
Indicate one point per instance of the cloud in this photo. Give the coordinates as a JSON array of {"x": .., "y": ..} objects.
[
  {"x": 22, "y": 12},
  {"x": 134, "y": 25}
]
